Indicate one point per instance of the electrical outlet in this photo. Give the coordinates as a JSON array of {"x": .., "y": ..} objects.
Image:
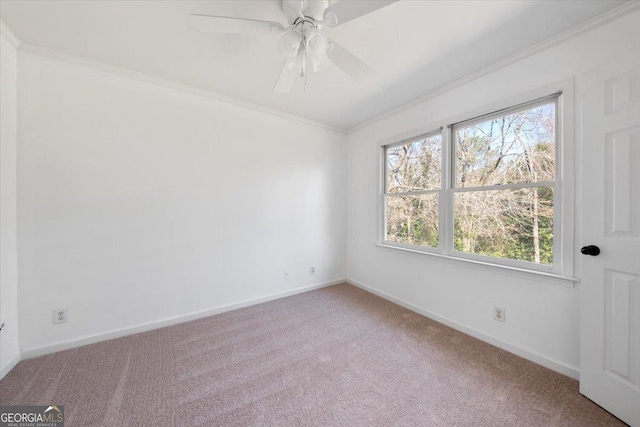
[
  {"x": 312, "y": 270},
  {"x": 286, "y": 275},
  {"x": 498, "y": 314},
  {"x": 60, "y": 315}
]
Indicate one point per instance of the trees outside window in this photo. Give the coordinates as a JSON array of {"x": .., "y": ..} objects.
[
  {"x": 413, "y": 182},
  {"x": 504, "y": 178},
  {"x": 497, "y": 190}
]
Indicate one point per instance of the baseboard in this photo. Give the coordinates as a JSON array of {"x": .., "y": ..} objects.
[
  {"x": 91, "y": 339},
  {"x": 561, "y": 367},
  {"x": 9, "y": 366}
]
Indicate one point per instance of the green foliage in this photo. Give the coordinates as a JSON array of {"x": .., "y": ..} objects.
[{"x": 410, "y": 220}]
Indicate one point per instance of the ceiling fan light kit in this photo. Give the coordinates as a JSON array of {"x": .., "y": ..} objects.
[
  {"x": 303, "y": 39},
  {"x": 290, "y": 44}
]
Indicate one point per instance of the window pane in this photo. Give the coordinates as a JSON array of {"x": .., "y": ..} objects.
[
  {"x": 413, "y": 219},
  {"x": 515, "y": 224},
  {"x": 414, "y": 166},
  {"x": 515, "y": 148}
]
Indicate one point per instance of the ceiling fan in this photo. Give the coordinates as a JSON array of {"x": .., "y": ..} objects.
[{"x": 302, "y": 42}]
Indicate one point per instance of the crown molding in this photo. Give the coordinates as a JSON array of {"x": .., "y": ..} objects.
[
  {"x": 9, "y": 36},
  {"x": 578, "y": 30},
  {"x": 587, "y": 26},
  {"x": 137, "y": 75},
  {"x": 37, "y": 50}
]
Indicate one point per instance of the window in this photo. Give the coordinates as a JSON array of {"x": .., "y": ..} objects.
[
  {"x": 504, "y": 177},
  {"x": 413, "y": 182},
  {"x": 490, "y": 193}
]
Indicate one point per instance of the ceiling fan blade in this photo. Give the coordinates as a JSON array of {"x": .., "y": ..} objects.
[
  {"x": 230, "y": 25},
  {"x": 286, "y": 79},
  {"x": 350, "y": 64},
  {"x": 347, "y": 10}
]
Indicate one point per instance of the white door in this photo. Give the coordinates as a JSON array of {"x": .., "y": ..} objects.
[{"x": 610, "y": 289}]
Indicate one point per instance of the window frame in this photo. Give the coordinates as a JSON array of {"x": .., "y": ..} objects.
[{"x": 563, "y": 184}]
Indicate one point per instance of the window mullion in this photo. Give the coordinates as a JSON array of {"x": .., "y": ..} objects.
[{"x": 446, "y": 198}]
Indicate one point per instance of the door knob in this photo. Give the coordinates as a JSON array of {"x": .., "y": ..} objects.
[{"x": 590, "y": 250}]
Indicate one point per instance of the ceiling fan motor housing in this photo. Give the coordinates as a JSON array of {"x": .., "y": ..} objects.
[{"x": 310, "y": 9}]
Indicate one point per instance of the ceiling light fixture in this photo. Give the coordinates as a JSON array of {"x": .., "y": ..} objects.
[
  {"x": 290, "y": 44},
  {"x": 304, "y": 40},
  {"x": 318, "y": 46}
]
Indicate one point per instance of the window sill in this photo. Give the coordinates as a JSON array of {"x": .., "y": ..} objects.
[{"x": 522, "y": 272}]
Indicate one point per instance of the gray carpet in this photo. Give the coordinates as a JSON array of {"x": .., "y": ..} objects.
[{"x": 336, "y": 356}]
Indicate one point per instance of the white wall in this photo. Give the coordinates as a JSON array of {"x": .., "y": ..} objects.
[
  {"x": 542, "y": 316},
  {"x": 9, "y": 348},
  {"x": 138, "y": 202}
]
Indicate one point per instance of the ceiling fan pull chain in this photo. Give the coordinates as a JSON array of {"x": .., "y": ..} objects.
[
  {"x": 304, "y": 62},
  {"x": 303, "y": 45}
]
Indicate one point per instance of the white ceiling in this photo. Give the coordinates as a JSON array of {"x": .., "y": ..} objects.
[{"x": 415, "y": 46}]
